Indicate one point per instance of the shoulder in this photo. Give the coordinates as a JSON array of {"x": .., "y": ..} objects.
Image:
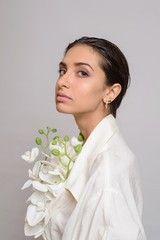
[
  {"x": 119, "y": 152},
  {"x": 117, "y": 158}
]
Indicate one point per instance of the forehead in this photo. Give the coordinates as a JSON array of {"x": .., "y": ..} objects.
[{"x": 82, "y": 53}]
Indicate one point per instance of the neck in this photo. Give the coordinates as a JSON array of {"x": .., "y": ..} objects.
[{"x": 88, "y": 121}]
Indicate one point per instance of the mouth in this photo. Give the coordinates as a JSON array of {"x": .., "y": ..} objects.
[{"x": 61, "y": 97}]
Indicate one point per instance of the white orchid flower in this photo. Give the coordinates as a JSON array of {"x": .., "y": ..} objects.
[
  {"x": 38, "y": 212},
  {"x": 48, "y": 178},
  {"x": 36, "y": 219},
  {"x": 41, "y": 201},
  {"x": 31, "y": 156}
]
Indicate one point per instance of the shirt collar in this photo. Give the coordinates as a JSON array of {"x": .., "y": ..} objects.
[{"x": 92, "y": 147}]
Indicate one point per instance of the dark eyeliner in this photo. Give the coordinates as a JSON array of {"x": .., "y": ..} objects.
[{"x": 84, "y": 73}]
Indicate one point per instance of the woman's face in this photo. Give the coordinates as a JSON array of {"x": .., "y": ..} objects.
[{"x": 81, "y": 86}]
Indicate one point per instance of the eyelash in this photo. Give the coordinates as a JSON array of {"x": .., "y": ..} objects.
[
  {"x": 59, "y": 71},
  {"x": 84, "y": 73}
]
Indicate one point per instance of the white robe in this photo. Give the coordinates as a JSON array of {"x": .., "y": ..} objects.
[{"x": 102, "y": 197}]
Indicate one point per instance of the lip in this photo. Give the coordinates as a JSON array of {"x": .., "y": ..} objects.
[{"x": 61, "y": 97}]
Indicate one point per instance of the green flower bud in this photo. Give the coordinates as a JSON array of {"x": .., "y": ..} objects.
[
  {"x": 56, "y": 138},
  {"x": 59, "y": 137},
  {"x": 55, "y": 152},
  {"x": 54, "y": 130},
  {"x": 66, "y": 138},
  {"x": 80, "y": 137},
  {"x": 78, "y": 148},
  {"x": 54, "y": 142},
  {"x": 38, "y": 141},
  {"x": 40, "y": 131}
]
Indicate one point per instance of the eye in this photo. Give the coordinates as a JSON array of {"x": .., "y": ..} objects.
[
  {"x": 82, "y": 74},
  {"x": 61, "y": 72}
]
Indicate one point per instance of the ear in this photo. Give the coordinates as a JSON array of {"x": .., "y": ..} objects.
[{"x": 112, "y": 92}]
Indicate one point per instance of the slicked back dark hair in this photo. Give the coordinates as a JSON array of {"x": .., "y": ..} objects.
[{"x": 114, "y": 65}]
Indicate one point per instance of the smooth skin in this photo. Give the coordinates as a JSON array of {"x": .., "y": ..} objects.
[{"x": 81, "y": 88}]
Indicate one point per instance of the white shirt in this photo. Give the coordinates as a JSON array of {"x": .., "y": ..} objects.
[{"x": 102, "y": 197}]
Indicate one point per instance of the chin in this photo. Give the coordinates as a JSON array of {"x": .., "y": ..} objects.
[{"x": 62, "y": 109}]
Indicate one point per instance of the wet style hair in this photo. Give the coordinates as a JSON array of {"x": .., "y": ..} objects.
[{"x": 114, "y": 65}]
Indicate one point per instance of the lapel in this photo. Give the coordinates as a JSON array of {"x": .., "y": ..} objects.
[{"x": 92, "y": 147}]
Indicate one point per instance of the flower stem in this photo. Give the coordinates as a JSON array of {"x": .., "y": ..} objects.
[{"x": 62, "y": 162}]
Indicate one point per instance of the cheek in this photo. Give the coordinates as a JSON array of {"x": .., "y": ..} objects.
[
  {"x": 92, "y": 89},
  {"x": 88, "y": 93},
  {"x": 56, "y": 85},
  {"x": 82, "y": 91}
]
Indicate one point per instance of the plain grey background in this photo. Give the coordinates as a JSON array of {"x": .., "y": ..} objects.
[{"x": 34, "y": 34}]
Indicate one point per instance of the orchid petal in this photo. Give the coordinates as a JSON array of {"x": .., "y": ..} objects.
[
  {"x": 57, "y": 172},
  {"x": 34, "y": 153},
  {"x": 36, "y": 167},
  {"x": 40, "y": 186},
  {"x": 45, "y": 162},
  {"x": 36, "y": 230},
  {"x": 33, "y": 216},
  {"x": 47, "y": 217},
  {"x": 48, "y": 178},
  {"x": 36, "y": 197},
  {"x": 27, "y": 184},
  {"x": 25, "y": 157},
  {"x": 49, "y": 196},
  {"x": 56, "y": 187}
]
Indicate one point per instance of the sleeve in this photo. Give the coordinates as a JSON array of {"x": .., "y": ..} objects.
[
  {"x": 123, "y": 201},
  {"x": 122, "y": 223}
]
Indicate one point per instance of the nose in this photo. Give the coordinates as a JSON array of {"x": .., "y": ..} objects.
[{"x": 63, "y": 81}]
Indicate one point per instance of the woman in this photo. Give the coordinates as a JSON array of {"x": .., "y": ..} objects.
[{"x": 102, "y": 196}]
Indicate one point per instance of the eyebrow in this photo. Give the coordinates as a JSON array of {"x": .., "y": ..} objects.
[{"x": 76, "y": 64}]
